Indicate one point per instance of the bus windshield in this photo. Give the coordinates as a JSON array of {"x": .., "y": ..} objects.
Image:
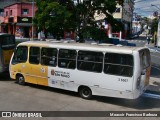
[{"x": 145, "y": 59}]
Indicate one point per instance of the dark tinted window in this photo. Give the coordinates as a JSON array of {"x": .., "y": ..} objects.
[
  {"x": 20, "y": 55},
  {"x": 118, "y": 64},
  {"x": 118, "y": 59},
  {"x": 25, "y": 11},
  {"x": 67, "y": 58},
  {"x": 49, "y": 56},
  {"x": 90, "y": 61},
  {"x": 7, "y": 41},
  {"x": 34, "y": 55}
]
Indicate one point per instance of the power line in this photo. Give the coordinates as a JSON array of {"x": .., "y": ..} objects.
[
  {"x": 155, "y": 6},
  {"x": 139, "y": 1}
]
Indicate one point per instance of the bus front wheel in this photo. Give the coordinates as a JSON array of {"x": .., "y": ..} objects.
[
  {"x": 85, "y": 92},
  {"x": 20, "y": 80}
]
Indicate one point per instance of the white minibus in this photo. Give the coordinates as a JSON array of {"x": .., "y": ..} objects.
[{"x": 89, "y": 69}]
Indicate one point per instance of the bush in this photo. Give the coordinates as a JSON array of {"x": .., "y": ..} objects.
[{"x": 152, "y": 40}]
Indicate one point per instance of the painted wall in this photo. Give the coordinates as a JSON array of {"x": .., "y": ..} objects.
[
  {"x": 126, "y": 11},
  {"x": 16, "y": 10}
]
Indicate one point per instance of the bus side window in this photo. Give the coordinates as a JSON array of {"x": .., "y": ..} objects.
[
  {"x": 49, "y": 57},
  {"x": 118, "y": 64},
  {"x": 90, "y": 61},
  {"x": 67, "y": 58},
  {"x": 34, "y": 56},
  {"x": 20, "y": 55}
]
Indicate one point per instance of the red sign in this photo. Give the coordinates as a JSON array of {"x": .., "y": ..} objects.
[{"x": 52, "y": 72}]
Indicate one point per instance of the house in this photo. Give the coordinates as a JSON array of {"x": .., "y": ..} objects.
[{"x": 18, "y": 19}]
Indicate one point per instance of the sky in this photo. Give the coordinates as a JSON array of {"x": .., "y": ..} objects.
[{"x": 147, "y": 7}]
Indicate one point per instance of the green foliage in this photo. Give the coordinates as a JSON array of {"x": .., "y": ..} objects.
[
  {"x": 94, "y": 33},
  {"x": 120, "y": 2},
  {"x": 154, "y": 25},
  {"x": 152, "y": 40},
  {"x": 79, "y": 17},
  {"x": 62, "y": 20},
  {"x": 87, "y": 10},
  {"x": 86, "y": 16},
  {"x": 116, "y": 25}
]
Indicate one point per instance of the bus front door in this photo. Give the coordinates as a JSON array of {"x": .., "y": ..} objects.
[{"x": 38, "y": 74}]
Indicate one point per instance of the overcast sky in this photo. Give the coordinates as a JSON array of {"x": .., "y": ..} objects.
[{"x": 143, "y": 7}]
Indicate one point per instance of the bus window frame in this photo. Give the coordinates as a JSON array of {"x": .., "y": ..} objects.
[
  {"x": 119, "y": 65},
  {"x": 56, "y": 64},
  {"x": 102, "y": 63},
  {"x": 39, "y": 59},
  {"x": 141, "y": 53},
  {"x": 67, "y": 59},
  {"x": 15, "y": 52}
]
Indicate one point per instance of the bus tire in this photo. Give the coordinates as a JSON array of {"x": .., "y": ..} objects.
[
  {"x": 85, "y": 92},
  {"x": 20, "y": 80}
]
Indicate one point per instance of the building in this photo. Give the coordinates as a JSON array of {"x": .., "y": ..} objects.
[
  {"x": 18, "y": 19},
  {"x": 124, "y": 13},
  {"x": 136, "y": 24},
  {"x": 4, "y": 3},
  {"x": 1, "y": 18}
]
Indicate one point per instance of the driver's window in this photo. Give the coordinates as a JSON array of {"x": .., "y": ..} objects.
[{"x": 20, "y": 56}]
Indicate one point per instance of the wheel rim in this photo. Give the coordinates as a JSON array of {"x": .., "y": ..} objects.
[
  {"x": 21, "y": 80},
  {"x": 86, "y": 93}
]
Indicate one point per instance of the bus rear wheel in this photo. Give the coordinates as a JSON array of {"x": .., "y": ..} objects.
[
  {"x": 20, "y": 80},
  {"x": 85, "y": 92}
]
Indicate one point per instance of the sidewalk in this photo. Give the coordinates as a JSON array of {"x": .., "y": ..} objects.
[
  {"x": 154, "y": 85},
  {"x": 149, "y": 45}
]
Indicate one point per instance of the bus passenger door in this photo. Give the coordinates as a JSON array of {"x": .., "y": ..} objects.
[
  {"x": 37, "y": 74},
  {"x": 43, "y": 75}
]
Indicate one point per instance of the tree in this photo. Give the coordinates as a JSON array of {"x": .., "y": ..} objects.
[
  {"x": 78, "y": 17},
  {"x": 86, "y": 12},
  {"x": 56, "y": 24},
  {"x": 154, "y": 26}
]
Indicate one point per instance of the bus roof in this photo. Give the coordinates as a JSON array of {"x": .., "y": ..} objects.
[{"x": 84, "y": 46}]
